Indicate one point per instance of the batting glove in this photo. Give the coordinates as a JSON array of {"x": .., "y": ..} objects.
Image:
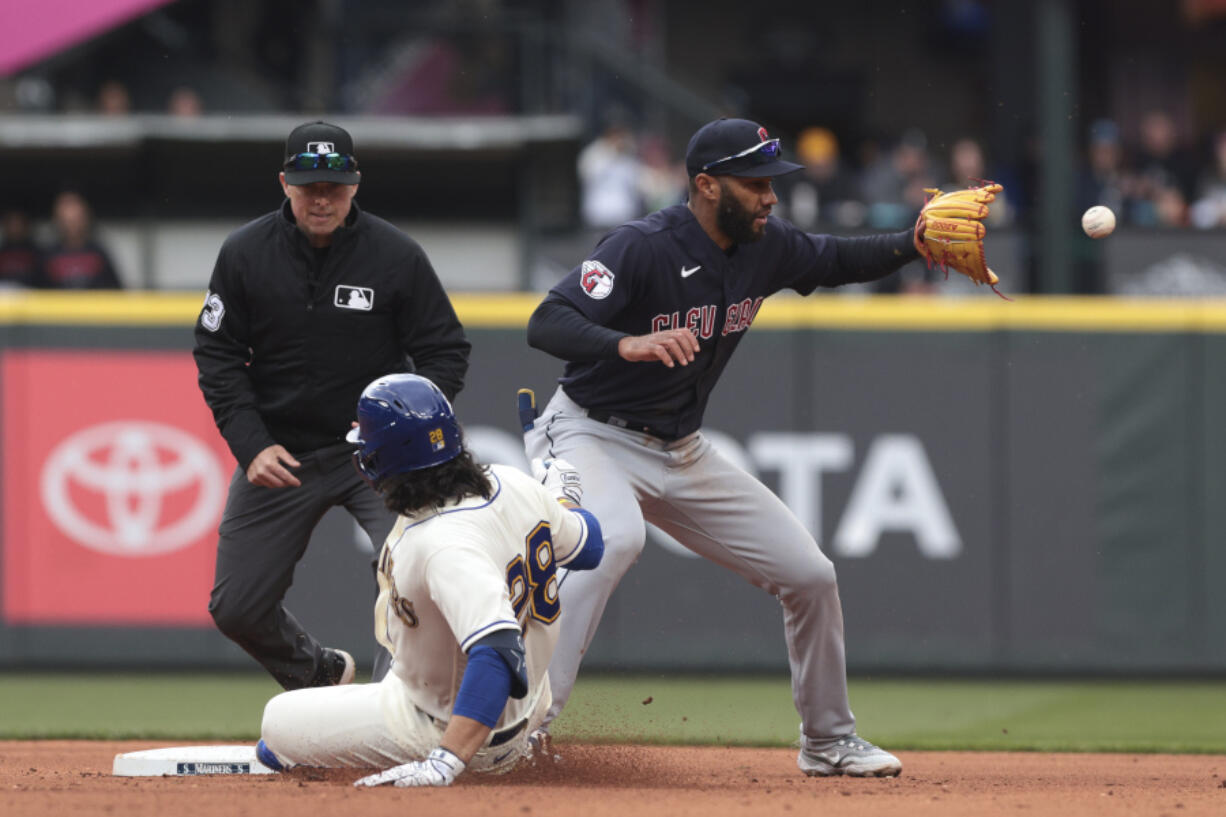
[
  {"x": 559, "y": 477},
  {"x": 440, "y": 768}
]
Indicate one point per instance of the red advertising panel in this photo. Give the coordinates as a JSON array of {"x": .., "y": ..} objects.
[{"x": 114, "y": 482}]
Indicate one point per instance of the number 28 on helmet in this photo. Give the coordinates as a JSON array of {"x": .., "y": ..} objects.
[{"x": 405, "y": 423}]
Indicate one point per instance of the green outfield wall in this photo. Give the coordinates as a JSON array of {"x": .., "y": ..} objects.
[{"x": 1004, "y": 486}]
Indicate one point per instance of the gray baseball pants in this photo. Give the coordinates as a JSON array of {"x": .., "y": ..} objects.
[
  {"x": 264, "y": 532},
  {"x": 716, "y": 510}
]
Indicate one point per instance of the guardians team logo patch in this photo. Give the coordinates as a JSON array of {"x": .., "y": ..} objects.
[{"x": 596, "y": 279}]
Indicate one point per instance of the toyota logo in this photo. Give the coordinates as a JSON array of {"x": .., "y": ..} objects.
[{"x": 133, "y": 488}]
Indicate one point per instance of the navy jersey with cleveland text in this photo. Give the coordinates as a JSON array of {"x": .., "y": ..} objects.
[{"x": 665, "y": 272}]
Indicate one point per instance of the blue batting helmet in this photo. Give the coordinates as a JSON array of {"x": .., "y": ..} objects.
[{"x": 404, "y": 424}]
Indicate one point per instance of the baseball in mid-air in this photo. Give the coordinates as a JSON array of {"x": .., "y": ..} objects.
[{"x": 1098, "y": 221}]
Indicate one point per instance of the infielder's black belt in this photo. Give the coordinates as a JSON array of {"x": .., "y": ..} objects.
[{"x": 606, "y": 417}]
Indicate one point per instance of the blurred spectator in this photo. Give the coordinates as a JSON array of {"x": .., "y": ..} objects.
[
  {"x": 114, "y": 99},
  {"x": 968, "y": 167},
  {"x": 663, "y": 180},
  {"x": 1164, "y": 173},
  {"x": 76, "y": 260},
  {"x": 20, "y": 257},
  {"x": 823, "y": 191},
  {"x": 184, "y": 101},
  {"x": 610, "y": 174},
  {"x": 34, "y": 94},
  {"x": 1104, "y": 179},
  {"x": 893, "y": 186},
  {"x": 1170, "y": 208},
  {"x": 1209, "y": 209},
  {"x": 1162, "y": 157}
]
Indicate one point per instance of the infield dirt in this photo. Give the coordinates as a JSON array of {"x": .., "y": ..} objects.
[{"x": 48, "y": 778}]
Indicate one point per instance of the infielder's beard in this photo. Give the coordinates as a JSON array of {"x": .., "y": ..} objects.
[{"x": 735, "y": 221}]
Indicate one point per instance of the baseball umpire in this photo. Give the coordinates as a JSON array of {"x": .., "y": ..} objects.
[
  {"x": 646, "y": 324},
  {"x": 468, "y": 604},
  {"x": 305, "y": 306}
]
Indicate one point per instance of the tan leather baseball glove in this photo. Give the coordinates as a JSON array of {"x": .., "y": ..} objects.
[{"x": 949, "y": 231}]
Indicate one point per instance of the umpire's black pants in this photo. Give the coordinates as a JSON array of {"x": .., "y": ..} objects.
[{"x": 263, "y": 534}]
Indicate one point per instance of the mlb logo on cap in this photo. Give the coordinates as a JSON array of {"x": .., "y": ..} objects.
[{"x": 320, "y": 152}]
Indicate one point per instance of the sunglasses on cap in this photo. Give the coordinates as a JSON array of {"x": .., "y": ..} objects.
[
  {"x": 768, "y": 149},
  {"x": 322, "y": 161}
]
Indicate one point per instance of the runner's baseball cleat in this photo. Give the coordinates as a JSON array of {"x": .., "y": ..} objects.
[
  {"x": 267, "y": 757},
  {"x": 852, "y": 755}
]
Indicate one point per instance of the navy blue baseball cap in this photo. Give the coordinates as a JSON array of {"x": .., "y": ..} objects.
[
  {"x": 320, "y": 152},
  {"x": 735, "y": 147}
]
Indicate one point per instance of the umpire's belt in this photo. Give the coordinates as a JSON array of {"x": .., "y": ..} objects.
[
  {"x": 497, "y": 739},
  {"x": 606, "y": 417}
]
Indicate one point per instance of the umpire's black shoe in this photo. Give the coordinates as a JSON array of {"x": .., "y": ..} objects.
[{"x": 336, "y": 667}]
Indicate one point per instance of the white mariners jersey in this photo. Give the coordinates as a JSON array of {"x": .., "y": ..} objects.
[{"x": 449, "y": 578}]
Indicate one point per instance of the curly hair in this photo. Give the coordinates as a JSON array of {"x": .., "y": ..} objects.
[{"x": 436, "y": 486}]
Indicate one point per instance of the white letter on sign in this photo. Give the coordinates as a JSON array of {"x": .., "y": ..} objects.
[
  {"x": 897, "y": 491},
  {"x": 801, "y": 459}
]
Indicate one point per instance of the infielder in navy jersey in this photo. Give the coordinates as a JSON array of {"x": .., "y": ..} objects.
[{"x": 646, "y": 324}]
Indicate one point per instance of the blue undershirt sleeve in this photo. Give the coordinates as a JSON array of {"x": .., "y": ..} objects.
[
  {"x": 593, "y": 550},
  {"x": 485, "y": 687}
]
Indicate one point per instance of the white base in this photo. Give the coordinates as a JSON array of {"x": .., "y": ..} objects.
[{"x": 179, "y": 761}]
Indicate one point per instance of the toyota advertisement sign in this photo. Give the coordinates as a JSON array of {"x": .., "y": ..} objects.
[
  {"x": 114, "y": 483},
  {"x": 992, "y": 499}
]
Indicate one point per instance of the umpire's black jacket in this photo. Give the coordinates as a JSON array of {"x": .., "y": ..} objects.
[{"x": 288, "y": 337}]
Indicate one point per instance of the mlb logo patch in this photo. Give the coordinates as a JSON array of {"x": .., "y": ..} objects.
[
  {"x": 320, "y": 147},
  {"x": 436, "y": 439},
  {"x": 348, "y": 297}
]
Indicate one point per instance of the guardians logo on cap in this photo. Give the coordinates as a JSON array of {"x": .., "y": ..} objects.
[
  {"x": 735, "y": 147},
  {"x": 320, "y": 152}
]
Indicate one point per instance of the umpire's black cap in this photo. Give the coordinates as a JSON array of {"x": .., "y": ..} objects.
[
  {"x": 735, "y": 147},
  {"x": 320, "y": 139}
]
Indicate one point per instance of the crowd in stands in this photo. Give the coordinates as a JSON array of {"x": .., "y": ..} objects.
[
  {"x": 63, "y": 251},
  {"x": 72, "y": 258},
  {"x": 1156, "y": 180},
  {"x": 1160, "y": 182}
]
